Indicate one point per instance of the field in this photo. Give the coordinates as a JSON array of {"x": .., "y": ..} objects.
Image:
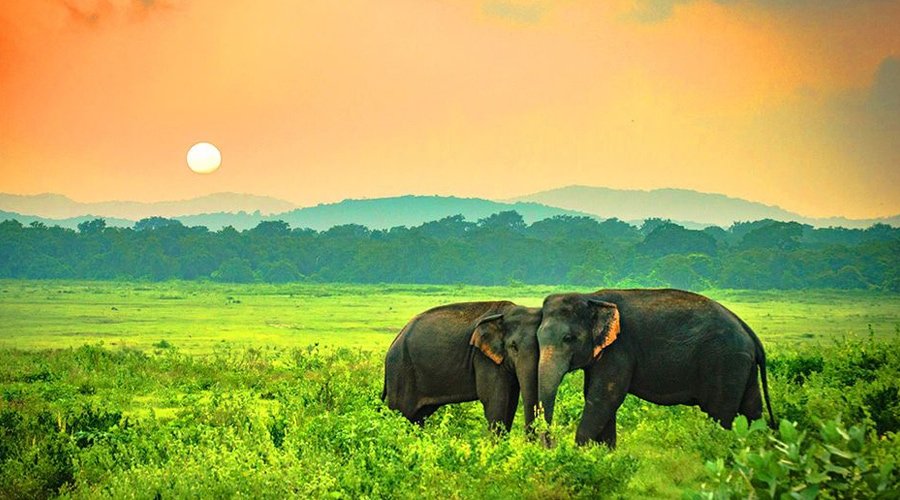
[
  {"x": 199, "y": 389},
  {"x": 196, "y": 317}
]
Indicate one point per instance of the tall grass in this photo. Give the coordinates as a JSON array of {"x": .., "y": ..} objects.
[
  {"x": 92, "y": 421},
  {"x": 211, "y": 395}
]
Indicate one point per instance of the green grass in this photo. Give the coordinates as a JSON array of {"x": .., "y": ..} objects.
[
  {"x": 195, "y": 317},
  {"x": 200, "y": 389}
]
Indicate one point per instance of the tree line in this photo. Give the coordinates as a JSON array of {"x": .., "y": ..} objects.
[{"x": 498, "y": 250}]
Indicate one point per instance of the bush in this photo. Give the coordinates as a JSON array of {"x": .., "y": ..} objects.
[
  {"x": 308, "y": 422},
  {"x": 35, "y": 455},
  {"x": 796, "y": 368},
  {"x": 235, "y": 270},
  {"x": 837, "y": 463}
]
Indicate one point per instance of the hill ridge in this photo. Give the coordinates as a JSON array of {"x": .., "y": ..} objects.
[
  {"x": 692, "y": 209},
  {"x": 679, "y": 204},
  {"x": 59, "y": 206}
]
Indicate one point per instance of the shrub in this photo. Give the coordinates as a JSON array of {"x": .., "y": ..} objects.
[
  {"x": 162, "y": 344},
  {"x": 308, "y": 422},
  {"x": 837, "y": 463},
  {"x": 796, "y": 368}
]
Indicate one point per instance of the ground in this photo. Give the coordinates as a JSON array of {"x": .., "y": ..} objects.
[{"x": 198, "y": 389}]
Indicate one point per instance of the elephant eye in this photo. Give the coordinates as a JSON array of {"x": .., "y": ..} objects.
[
  {"x": 513, "y": 345},
  {"x": 569, "y": 338}
]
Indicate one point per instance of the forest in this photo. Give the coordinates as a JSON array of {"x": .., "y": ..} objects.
[{"x": 497, "y": 250}]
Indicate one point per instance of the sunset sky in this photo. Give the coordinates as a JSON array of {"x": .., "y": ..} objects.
[{"x": 795, "y": 103}]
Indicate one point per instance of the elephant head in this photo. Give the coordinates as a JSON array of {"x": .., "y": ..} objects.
[
  {"x": 574, "y": 330},
  {"x": 509, "y": 339}
]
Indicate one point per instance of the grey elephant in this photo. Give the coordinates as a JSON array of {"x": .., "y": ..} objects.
[
  {"x": 664, "y": 346},
  {"x": 470, "y": 351}
]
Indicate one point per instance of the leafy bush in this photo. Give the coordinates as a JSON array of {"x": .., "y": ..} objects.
[
  {"x": 836, "y": 463},
  {"x": 796, "y": 368},
  {"x": 272, "y": 423},
  {"x": 35, "y": 455},
  {"x": 308, "y": 422}
]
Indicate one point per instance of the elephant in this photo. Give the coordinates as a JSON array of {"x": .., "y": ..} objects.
[
  {"x": 665, "y": 346},
  {"x": 461, "y": 352}
]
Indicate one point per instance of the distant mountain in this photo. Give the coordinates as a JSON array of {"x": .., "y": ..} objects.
[
  {"x": 377, "y": 213},
  {"x": 382, "y": 213},
  {"x": 69, "y": 222},
  {"x": 687, "y": 207},
  {"x": 56, "y": 206},
  {"x": 415, "y": 210}
]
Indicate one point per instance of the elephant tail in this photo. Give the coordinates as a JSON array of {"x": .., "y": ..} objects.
[{"x": 761, "y": 356}]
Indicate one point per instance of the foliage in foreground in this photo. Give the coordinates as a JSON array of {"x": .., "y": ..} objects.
[
  {"x": 91, "y": 422},
  {"x": 836, "y": 462},
  {"x": 256, "y": 423}
]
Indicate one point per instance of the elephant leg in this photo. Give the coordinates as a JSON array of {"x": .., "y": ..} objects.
[
  {"x": 498, "y": 392},
  {"x": 605, "y": 386},
  {"x": 727, "y": 386},
  {"x": 751, "y": 404},
  {"x": 422, "y": 413},
  {"x": 608, "y": 434}
]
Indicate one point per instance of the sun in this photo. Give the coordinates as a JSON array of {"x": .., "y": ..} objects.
[{"x": 204, "y": 158}]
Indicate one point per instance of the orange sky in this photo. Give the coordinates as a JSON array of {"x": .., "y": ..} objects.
[{"x": 317, "y": 101}]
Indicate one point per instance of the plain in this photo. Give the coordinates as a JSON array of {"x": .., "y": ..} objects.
[{"x": 197, "y": 389}]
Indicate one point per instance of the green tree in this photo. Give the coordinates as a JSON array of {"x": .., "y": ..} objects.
[
  {"x": 454, "y": 226},
  {"x": 271, "y": 228},
  {"x": 671, "y": 238},
  {"x": 281, "y": 271},
  {"x": 775, "y": 235},
  {"x": 688, "y": 272},
  {"x": 151, "y": 223},
  {"x": 234, "y": 270},
  {"x": 93, "y": 226},
  {"x": 508, "y": 220},
  {"x": 652, "y": 224}
]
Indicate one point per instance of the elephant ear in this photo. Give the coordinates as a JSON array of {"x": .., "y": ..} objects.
[
  {"x": 488, "y": 336},
  {"x": 607, "y": 327}
]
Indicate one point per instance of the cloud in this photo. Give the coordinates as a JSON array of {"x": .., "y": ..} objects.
[
  {"x": 88, "y": 15},
  {"x": 521, "y": 11},
  {"x": 882, "y": 115},
  {"x": 93, "y": 12},
  {"x": 865, "y": 125},
  {"x": 883, "y": 103},
  {"x": 794, "y": 4},
  {"x": 832, "y": 151},
  {"x": 652, "y": 11}
]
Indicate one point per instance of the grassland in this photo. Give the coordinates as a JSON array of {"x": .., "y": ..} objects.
[
  {"x": 197, "y": 316},
  {"x": 193, "y": 389}
]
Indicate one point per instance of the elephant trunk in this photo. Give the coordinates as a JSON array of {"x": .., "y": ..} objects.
[
  {"x": 551, "y": 370},
  {"x": 528, "y": 382}
]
